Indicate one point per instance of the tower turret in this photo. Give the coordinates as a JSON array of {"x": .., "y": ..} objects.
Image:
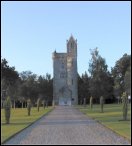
[{"x": 72, "y": 46}]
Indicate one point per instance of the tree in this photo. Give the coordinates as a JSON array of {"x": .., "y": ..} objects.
[
  {"x": 119, "y": 74},
  {"x": 29, "y": 86},
  {"x": 49, "y": 88},
  {"x": 24, "y": 85},
  {"x": 9, "y": 75},
  {"x": 80, "y": 90},
  {"x": 38, "y": 103},
  {"x": 25, "y": 75},
  {"x": 83, "y": 88},
  {"x": 101, "y": 83},
  {"x": 127, "y": 81},
  {"x": 45, "y": 87},
  {"x": 22, "y": 100},
  {"x": 10, "y": 79}
]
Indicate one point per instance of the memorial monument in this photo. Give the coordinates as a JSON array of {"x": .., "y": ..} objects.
[{"x": 65, "y": 88}]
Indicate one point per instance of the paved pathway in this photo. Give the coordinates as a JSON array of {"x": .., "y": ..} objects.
[{"x": 67, "y": 125}]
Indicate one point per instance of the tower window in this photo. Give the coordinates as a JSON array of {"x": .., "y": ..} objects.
[{"x": 71, "y": 45}]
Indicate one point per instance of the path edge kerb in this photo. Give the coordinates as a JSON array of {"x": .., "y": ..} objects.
[
  {"x": 27, "y": 126},
  {"x": 105, "y": 126}
]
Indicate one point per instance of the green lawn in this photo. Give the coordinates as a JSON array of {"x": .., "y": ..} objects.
[
  {"x": 19, "y": 120},
  {"x": 111, "y": 118}
]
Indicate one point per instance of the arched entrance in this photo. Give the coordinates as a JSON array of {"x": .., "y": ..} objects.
[{"x": 65, "y": 96}]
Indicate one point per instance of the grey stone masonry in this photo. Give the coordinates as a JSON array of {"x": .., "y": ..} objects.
[{"x": 65, "y": 75}]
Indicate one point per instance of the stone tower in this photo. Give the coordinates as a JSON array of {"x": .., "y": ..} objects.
[{"x": 65, "y": 75}]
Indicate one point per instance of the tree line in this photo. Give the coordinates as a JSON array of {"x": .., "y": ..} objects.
[
  {"x": 100, "y": 82},
  {"x": 25, "y": 85}
]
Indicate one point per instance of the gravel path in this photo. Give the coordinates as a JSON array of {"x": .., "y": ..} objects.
[{"x": 67, "y": 125}]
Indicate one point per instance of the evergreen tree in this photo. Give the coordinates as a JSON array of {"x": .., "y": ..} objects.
[{"x": 101, "y": 83}]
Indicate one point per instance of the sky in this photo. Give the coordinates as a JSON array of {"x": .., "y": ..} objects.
[{"x": 31, "y": 31}]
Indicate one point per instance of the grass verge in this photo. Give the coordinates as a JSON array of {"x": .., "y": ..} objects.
[
  {"x": 20, "y": 120},
  {"x": 111, "y": 118}
]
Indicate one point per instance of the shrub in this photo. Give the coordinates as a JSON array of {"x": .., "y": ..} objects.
[
  {"x": 125, "y": 105},
  {"x": 44, "y": 104},
  {"x": 38, "y": 104},
  {"x": 91, "y": 102},
  {"x": 29, "y": 105},
  {"x": 7, "y": 107},
  {"x": 102, "y": 103}
]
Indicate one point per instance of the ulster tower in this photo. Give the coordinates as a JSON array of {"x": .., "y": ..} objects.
[{"x": 65, "y": 75}]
